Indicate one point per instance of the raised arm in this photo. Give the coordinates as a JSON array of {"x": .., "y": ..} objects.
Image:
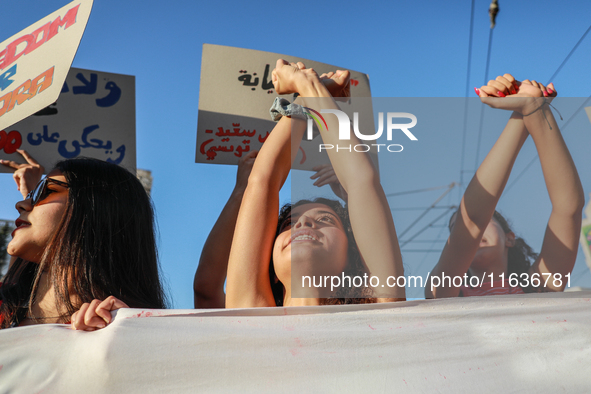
[
  {"x": 481, "y": 196},
  {"x": 208, "y": 286},
  {"x": 561, "y": 240},
  {"x": 369, "y": 212},
  {"x": 560, "y": 246},
  {"x": 248, "y": 283}
]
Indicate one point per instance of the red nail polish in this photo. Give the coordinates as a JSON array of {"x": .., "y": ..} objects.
[
  {"x": 550, "y": 91},
  {"x": 477, "y": 91},
  {"x": 501, "y": 93},
  {"x": 545, "y": 93}
]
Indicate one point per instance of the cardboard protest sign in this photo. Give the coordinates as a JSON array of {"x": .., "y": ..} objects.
[
  {"x": 93, "y": 117},
  {"x": 34, "y": 62},
  {"x": 235, "y": 95}
]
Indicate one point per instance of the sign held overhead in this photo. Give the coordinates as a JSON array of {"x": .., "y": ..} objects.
[{"x": 34, "y": 63}]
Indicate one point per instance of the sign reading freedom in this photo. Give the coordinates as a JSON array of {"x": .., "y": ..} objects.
[{"x": 34, "y": 63}]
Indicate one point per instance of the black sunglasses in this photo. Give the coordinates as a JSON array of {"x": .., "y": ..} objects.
[{"x": 40, "y": 192}]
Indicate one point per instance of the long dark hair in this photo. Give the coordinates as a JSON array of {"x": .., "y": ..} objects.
[
  {"x": 355, "y": 266},
  {"x": 104, "y": 245},
  {"x": 521, "y": 256}
]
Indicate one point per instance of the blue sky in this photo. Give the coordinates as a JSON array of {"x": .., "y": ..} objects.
[{"x": 409, "y": 49}]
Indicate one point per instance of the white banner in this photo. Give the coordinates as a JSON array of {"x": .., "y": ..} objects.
[{"x": 532, "y": 343}]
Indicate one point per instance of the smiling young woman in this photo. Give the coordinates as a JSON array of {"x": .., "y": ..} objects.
[{"x": 310, "y": 238}]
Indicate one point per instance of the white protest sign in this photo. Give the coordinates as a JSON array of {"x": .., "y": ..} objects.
[
  {"x": 235, "y": 95},
  {"x": 34, "y": 62},
  {"x": 93, "y": 117}
]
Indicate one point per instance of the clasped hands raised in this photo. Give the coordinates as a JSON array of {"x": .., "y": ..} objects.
[
  {"x": 291, "y": 78},
  {"x": 525, "y": 96}
]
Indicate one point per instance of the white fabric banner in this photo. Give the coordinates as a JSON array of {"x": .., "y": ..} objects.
[{"x": 532, "y": 343}]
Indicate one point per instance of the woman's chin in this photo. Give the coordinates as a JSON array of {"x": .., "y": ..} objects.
[
  {"x": 307, "y": 253},
  {"x": 15, "y": 250},
  {"x": 12, "y": 248}
]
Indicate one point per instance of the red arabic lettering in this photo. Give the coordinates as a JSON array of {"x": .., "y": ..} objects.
[
  {"x": 211, "y": 154},
  {"x": 202, "y": 148},
  {"x": 240, "y": 149},
  {"x": 235, "y": 133},
  {"x": 263, "y": 139}
]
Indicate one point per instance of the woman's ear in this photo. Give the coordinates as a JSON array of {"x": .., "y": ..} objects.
[{"x": 510, "y": 239}]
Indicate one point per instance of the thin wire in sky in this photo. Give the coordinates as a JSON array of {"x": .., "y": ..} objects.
[
  {"x": 569, "y": 120},
  {"x": 568, "y": 56},
  {"x": 468, "y": 69},
  {"x": 449, "y": 189}
]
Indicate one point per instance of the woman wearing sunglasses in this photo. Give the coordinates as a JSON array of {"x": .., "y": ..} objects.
[{"x": 84, "y": 245}]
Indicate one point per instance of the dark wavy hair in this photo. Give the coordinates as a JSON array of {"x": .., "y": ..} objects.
[
  {"x": 355, "y": 264},
  {"x": 104, "y": 245},
  {"x": 520, "y": 256}
]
